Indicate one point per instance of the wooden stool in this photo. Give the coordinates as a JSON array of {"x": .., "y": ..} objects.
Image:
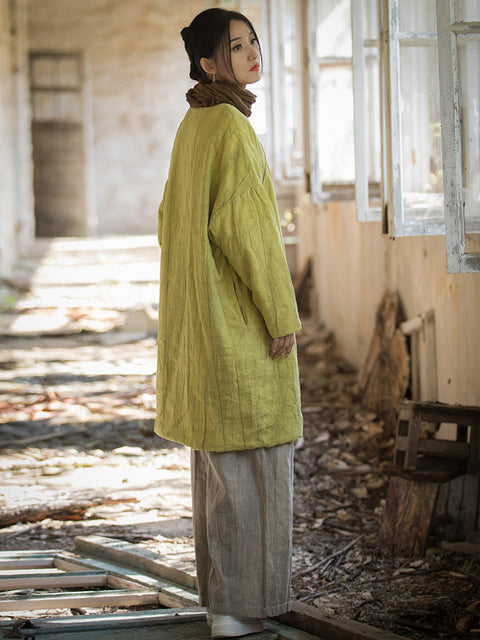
[{"x": 433, "y": 480}]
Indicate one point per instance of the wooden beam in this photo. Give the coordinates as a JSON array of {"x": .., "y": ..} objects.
[
  {"x": 76, "y": 600},
  {"x": 327, "y": 625},
  {"x": 444, "y": 448},
  {"x": 131, "y": 555}
]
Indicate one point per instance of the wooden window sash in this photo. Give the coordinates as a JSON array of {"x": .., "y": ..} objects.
[{"x": 459, "y": 260}]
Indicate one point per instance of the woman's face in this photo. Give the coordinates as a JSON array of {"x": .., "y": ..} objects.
[{"x": 245, "y": 56}]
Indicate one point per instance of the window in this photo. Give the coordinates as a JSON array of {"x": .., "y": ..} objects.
[
  {"x": 414, "y": 178},
  {"x": 56, "y": 87},
  {"x": 286, "y": 90},
  {"x": 459, "y": 41},
  {"x": 367, "y": 123},
  {"x": 332, "y": 164}
]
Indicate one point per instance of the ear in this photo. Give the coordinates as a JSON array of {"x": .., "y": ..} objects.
[{"x": 208, "y": 65}]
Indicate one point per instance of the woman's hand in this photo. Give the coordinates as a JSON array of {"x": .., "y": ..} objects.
[{"x": 282, "y": 345}]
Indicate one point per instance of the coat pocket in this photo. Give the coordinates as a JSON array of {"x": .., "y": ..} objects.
[{"x": 239, "y": 302}]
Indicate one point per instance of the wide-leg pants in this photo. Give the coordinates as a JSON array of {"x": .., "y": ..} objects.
[{"x": 242, "y": 522}]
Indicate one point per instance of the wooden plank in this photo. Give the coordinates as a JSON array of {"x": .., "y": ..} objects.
[
  {"x": 327, "y": 625},
  {"x": 30, "y": 572},
  {"x": 124, "y": 598},
  {"x": 26, "y": 563},
  {"x": 119, "y": 620},
  {"x": 444, "y": 448},
  {"x": 28, "y": 553},
  {"x": 170, "y": 594},
  {"x": 431, "y": 469},
  {"x": 67, "y": 563},
  {"x": 438, "y": 412},
  {"x": 128, "y": 554},
  {"x": 55, "y": 579}
]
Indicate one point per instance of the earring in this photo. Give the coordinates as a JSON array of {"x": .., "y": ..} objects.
[{"x": 213, "y": 77}]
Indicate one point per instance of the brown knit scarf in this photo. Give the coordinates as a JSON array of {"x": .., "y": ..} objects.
[{"x": 212, "y": 93}]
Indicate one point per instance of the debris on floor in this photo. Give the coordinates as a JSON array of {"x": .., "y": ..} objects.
[{"x": 78, "y": 456}]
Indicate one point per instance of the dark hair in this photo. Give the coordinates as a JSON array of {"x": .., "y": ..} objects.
[{"x": 208, "y": 32}]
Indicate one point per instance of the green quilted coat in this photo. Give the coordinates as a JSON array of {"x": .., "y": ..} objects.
[{"x": 225, "y": 292}]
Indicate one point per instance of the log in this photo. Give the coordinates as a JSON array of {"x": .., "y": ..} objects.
[
  {"x": 408, "y": 516},
  {"x": 73, "y": 508}
]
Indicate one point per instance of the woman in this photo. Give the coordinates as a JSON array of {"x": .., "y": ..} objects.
[{"x": 227, "y": 380}]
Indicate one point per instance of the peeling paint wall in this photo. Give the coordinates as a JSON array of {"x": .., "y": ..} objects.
[
  {"x": 354, "y": 263},
  {"x": 7, "y": 151},
  {"x": 134, "y": 84},
  {"x": 16, "y": 201}
]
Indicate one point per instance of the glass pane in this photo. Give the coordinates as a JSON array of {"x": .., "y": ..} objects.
[
  {"x": 370, "y": 20},
  {"x": 335, "y": 124},
  {"x": 289, "y": 34},
  {"x": 417, "y": 16},
  {"x": 468, "y": 52},
  {"x": 333, "y": 37},
  {"x": 420, "y": 132},
  {"x": 64, "y": 106},
  {"x": 467, "y": 10},
  {"x": 373, "y": 126}
]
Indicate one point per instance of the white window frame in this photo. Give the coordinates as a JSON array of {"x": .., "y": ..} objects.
[
  {"x": 391, "y": 37},
  {"x": 458, "y": 259},
  {"x": 287, "y": 157},
  {"x": 360, "y": 48},
  {"x": 314, "y": 176},
  {"x": 320, "y": 191}
]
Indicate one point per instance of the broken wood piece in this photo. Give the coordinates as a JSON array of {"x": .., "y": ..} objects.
[
  {"x": 13, "y": 442},
  {"x": 330, "y": 557},
  {"x": 73, "y": 508},
  {"x": 383, "y": 379},
  {"x": 131, "y": 555}
]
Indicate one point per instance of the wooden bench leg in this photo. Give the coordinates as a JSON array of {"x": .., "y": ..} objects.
[{"x": 407, "y": 438}]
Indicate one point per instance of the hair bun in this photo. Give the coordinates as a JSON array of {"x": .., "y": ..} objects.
[{"x": 184, "y": 33}]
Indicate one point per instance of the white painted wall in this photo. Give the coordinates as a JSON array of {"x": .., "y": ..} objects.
[
  {"x": 355, "y": 263},
  {"x": 7, "y": 150},
  {"x": 136, "y": 77},
  {"x": 16, "y": 196}
]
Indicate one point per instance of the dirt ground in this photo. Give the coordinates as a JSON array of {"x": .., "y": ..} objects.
[{"x": 78, "y": 455}]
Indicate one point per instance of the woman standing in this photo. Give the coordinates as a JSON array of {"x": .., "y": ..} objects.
[{"x": 227, "y": 378}]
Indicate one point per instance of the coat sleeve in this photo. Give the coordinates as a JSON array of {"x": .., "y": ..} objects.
[{"x": 247, "y": 231}]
